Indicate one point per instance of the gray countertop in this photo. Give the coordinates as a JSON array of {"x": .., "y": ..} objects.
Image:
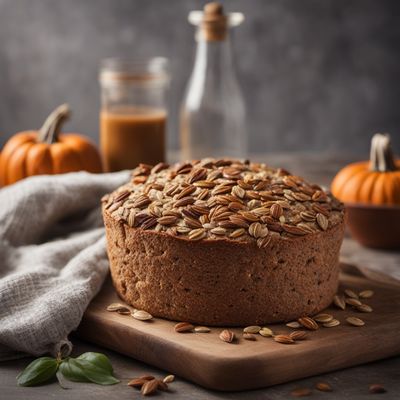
[
  {"x": 351, "y": 383},
  {"x": 348, "y": 384}
]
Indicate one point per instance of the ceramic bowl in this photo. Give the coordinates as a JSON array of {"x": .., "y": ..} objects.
[{"x": 375, "y": 226}]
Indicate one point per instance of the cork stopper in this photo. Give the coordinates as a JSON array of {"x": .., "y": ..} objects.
[
  {"x": 213, "y": 10},
  {"x": 213, "y": 23}
]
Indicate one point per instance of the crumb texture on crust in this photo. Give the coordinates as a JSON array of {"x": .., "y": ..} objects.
[
  {"x": 223, "y": 283},
  {"x": 259, "y": 244}
]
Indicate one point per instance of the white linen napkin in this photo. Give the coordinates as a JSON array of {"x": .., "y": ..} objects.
[{"x": 52, "y": 258}]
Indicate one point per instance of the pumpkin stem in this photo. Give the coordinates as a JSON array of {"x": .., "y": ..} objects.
[
  {"x": 381, "y": 159},
  {"x": 51, "y": 128}
]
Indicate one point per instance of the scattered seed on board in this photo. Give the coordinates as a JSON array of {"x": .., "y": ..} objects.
[
  {"x": 169, "y": 378},
  {"x": 284, "y": 339},
  {"x": 339, "y": 302},
  {"x": 366, "y": 294},
  {"x": 293, "y": 324},
  {"x": 252, "y": 329},
  {"x": 266, "y": 332},
  {"x": 301, "y": 392},
  {"x": 249, "y": 336},
  {"x": 355, "y": 321},
  {"x": 298, "y": 335},
  {"x": 124, "y": 311},
  {"x": 115, "y": 307},
  {"x": 353, "y": 302},
  {"x": 202, "y": 329},
  {"x": 364, "y": 308},
  {"x": 323, "y": 318},
  {"x": 183, "y": 327},
  {"x": 323, "y": 387},
  {"x": 331, "y": 324},
  {"x": 227, "y": 336},
  {"x": 350, "y": 293},
  {"x": 142, "y": 315},
  {"x": 308, "y": 323}
]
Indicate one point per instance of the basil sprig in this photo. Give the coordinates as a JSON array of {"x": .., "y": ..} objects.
[{"x": 88, "y": 367}]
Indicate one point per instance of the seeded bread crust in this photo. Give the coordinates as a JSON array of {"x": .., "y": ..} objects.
[
  {"x": 222, "y": 242},
  {"x": 223, "y": 282}
]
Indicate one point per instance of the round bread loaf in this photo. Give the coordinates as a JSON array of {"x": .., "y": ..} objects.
[{"x": 222, "y": 242}]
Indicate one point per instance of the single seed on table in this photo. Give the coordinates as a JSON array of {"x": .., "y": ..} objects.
[
  {"x": 298, "y": 335},
  {"x": 339, "y": 302},
  {"x": 201, "y": 329},
  {"x": 323, "y": 387},
  {"x": 162, "y": 385},
  {"x": 355, "y": 321},
  {"x": 376, "y": 388},
  {"x": 147, "y": 377},
  {"x": 182, "y": 327},
  {"x": 331, "y": 324},
  {"x": 249, "y": 336},
  {"x": 169, "y": 378},
  {"x": 350, "y": 293},
  {"x": 301, "y": 392},
  {"x": 252, "y": 329},
  {"x": 137, "y": 383},
  {"x": 353, "y": 302},
  {"x": 366, "y": 294},
  {"x": 308, "y": 323},
  {"x": 149, "y": 387},
  {"x": 142, "y": 315},
  {"x": 284, "y": 339},
  {"x": 323, "y": 318},
  {"x": 293, "y": 324},
  {"x": 364, "y": 308},
  {"x": 266, "y": 332},
  {"x": 227, "y": 336}
]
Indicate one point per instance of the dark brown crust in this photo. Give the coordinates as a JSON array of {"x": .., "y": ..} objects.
[{"x": 223, "y": 282}]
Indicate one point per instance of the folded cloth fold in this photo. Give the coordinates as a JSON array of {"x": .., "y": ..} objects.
[{"x": 52, "y": 258}]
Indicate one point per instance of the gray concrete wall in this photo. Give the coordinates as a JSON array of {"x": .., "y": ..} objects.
[{"x": 316, "y": 74}]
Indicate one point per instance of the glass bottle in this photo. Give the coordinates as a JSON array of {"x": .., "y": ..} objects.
[
  {"x": 212, "y": 117},
  {"x": 133, "y": 112}
]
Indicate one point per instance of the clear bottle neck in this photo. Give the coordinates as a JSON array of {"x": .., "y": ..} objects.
[{"x": 214, "y": 60}]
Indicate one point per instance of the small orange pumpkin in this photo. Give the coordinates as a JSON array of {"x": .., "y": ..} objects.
[
  {"x": 376, "y": 181},
  {"x": 47, "y": 151}
]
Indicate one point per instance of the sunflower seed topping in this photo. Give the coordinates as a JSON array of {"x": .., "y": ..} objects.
[{"x": 223, "y": 199}]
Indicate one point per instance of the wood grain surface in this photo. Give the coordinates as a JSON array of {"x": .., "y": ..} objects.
[{"x": 207, "y": 361}]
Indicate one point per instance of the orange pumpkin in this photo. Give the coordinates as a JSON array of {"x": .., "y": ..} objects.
[
  {"x": 47, "y": 151},
  {"x": 376, "y": 181}
]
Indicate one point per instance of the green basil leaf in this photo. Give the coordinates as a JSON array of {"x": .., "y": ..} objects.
[
  {"x": 72, "y": 371},
  {"x": 98, "y": 359},
  {"x": 60, "y": 379},
  {"x": 96, "y": 374},
  {"x": 38, "y": 371},
  {"x": 81, "y": 370}
]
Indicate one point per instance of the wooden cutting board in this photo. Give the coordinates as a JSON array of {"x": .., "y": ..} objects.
[{"x": 204, "y": 359}]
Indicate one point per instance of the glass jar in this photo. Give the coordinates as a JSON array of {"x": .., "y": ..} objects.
[
  {"x": 212, "y": 116},
  {"x": 133, "y": 112}
]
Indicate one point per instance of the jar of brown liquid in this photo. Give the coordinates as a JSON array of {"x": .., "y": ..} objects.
[{"x": 133, "y": 113}]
